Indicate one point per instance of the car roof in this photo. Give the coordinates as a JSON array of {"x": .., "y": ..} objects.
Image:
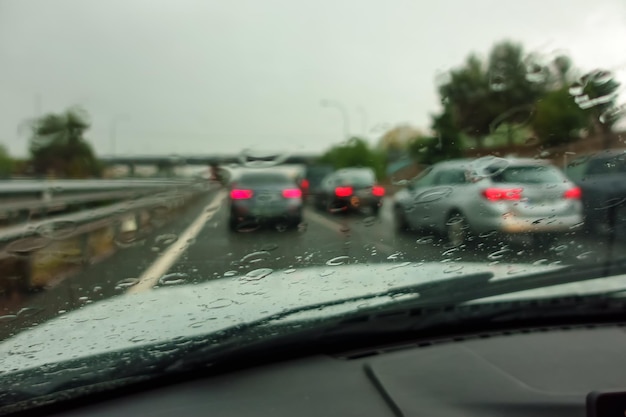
[
  {"x": 603, "y": 154},
  {"x": 513, "y": 161}
]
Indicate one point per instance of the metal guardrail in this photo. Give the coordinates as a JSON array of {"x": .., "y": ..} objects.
[
  {"x": 19, "y": 199},
  {"x": 34, "y": 254},
  {"x": 45, "y": 188}
]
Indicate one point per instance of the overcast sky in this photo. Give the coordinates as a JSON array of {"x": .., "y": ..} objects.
[{"x": 202, "y": 76}]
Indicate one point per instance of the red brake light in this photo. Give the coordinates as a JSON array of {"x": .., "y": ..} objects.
[
  {"x": 237, "y": 194},
  {"x": 498, "y": 194},
  {"x": 378, "y": 191},
  {"x": 574, "y": 193},
  {"x": 304, "y": 183},
  {"x": 343, "y": 191},
  {"x": 292, "y": 193}
]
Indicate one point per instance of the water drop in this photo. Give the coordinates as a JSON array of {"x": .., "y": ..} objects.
[
  {"x": 60, "y": 229},
  {"x": 269, "y": 247},
  {"x": 432, "y": 195},
  {"x": 255, "y": 257},
  {"x": 257, "y": 274},
  {"x": 289, "y": 271},
  {"x": 327, "y": 273},
  {"x": 126, "y": 283},
  {"x": 7, "y": 318},
  {"x": 584, "y": 255},
  {"x": 248, "y": 226},
  {"x": 166, "y": 239},
  {"x": 394, "y": 256},
  {"x": 339, "y": 260},
  {"x": 230, "y": 273},
  {"x": 174, "y": 278},
  {"x": 425, "y": 240},
  {"x": 400, "y": 265},
  {"x": 453, "y": 268},
  {"x": 540, "y": 262},
  {"x": 369, "y": 221},
  {"x": 25, "y": 246},
  {"x": 499, "y": 254},
  {"x": 219, "y": 303}
]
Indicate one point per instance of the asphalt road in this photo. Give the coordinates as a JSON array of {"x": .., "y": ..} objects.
[{"x": 198, "y": 246}]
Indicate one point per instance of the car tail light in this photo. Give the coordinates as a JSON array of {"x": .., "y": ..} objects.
[
  {"x": 378, "y": 191},
  {"x": 292, "y": 193},
  {"x": 573, "y": 193},
  {"x": 499, "y": 194},
  {"x": 343, "y": 191},
  {"x": 304, "y": 184},
  {"x": 238, "y": 194}
]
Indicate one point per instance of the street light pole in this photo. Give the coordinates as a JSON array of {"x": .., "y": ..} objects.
[
  {"x": 364, "y": 121},
  {"x": 113, "y": 131},
  {"x": 344, "y": 115}
]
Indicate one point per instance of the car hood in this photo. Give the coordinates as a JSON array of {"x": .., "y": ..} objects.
[{"x": 176, "y": 312}]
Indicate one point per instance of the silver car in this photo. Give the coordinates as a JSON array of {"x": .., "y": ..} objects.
[{"x": 514, "y": 196}]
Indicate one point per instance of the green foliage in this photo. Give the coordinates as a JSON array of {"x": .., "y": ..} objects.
[
  {"x": 557, "y": 118},
  {"x": 356, "y": 153},
  {"x": 6, "y": 163},
  {"x": 447, "y": 144},
  {"x": 502, "y": 90},
  {"x": 57, "y": 146}
]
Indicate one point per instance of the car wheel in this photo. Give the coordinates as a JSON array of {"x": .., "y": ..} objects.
[{"x": 457, "y": 229}]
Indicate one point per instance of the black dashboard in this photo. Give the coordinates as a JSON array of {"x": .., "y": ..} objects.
[{"x": 542, "y": 372}]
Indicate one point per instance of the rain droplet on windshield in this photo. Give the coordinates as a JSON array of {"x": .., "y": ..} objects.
[
  {"x": 174, "y": 278},
  {"x": 59, "y": 229},
  {"x": 126, "y": 283},
  {"x": 339, "y": 260},
  {"x": 257, "y": 274}
]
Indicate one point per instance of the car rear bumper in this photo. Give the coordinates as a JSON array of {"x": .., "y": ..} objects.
[{"x": 511, "y": 224}]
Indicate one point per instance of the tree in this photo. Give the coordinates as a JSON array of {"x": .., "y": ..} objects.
[
  {"x": 6, "y": 163},
  {"x": 57, "y": 145},
  {"x": 557, "y": 119},
  {"x": 598, "y": 94},
  {"x": 481, "y": 93},
  {"x": 355, "y": 153},
  {"x": 446, "y": 144}
]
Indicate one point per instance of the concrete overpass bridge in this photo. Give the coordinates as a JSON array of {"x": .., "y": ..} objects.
[{"x": 165, "y": 164}]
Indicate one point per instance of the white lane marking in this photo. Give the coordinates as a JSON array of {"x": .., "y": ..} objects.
[
  {"x": 318, "y": 218},
  {"x": 336, "y": 226},
  {"x": 151, "y": 276}
]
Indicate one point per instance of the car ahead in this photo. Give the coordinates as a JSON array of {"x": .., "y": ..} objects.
[
  {"x": 263, "y": 196},
  {"x": 602, "y": 179},
  {"x": 313, "y": 177},
  {"x": 350, "y": 189},
  {"x": 512, "y": 196}
]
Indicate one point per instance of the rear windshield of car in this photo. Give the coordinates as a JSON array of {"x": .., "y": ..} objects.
[
  {"x": 263, "y": 179},
  {"x": 357, "y": 179},
  {"x": 529, "y": 175}
]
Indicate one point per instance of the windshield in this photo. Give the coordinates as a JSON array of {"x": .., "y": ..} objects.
[{"x": 171, "y": 169}]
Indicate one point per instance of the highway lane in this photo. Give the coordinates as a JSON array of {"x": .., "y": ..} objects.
[{"x": 212, "y": 251}]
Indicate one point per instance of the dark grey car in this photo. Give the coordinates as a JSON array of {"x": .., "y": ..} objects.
[
  {"x": 350, "y": 189},
  {"x": 602, "y": 178},
  {"x": 264, "y": 196}
]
